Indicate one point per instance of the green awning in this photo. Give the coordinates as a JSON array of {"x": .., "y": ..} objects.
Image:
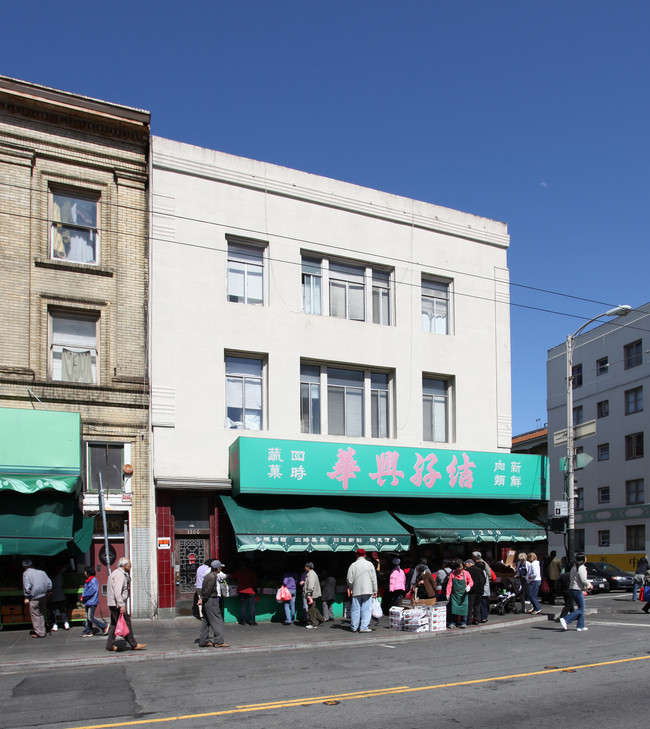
[
  {"x": 314, "y": 529},
  {"x": 42, "y": 524},
  {"x": 29, "y": 484},
  {"x": 439, "y": 528}
]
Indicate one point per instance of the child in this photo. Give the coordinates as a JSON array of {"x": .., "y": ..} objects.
[{"x": 90, "y": 599}]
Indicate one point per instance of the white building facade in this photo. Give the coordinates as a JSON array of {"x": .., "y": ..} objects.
[
  {"x": 611, "y": 370},
  {"x": 293, "y": 307}
]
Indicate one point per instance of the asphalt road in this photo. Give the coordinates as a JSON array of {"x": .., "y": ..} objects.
[{"x": 533, "y": 673}]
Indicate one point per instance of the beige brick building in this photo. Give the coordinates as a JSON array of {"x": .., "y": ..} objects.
[{"x": 74, "y": 276}]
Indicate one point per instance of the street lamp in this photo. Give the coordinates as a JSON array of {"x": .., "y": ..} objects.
[{"x": 570, "y": 455}]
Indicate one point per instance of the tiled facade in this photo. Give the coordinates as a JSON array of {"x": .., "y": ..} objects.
[{"x": 74, "y": 271}]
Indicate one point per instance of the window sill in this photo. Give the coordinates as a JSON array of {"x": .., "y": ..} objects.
[{"x": 73, "y": 267}]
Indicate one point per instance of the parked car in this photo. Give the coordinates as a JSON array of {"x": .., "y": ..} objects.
[
  {"x": 598, "y": 581},
  {"x": 617, "y": 578}
]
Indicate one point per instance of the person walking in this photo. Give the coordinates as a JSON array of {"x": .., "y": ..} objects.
[
  {"x": 312, "y": 591},
  {"x": 117, "y": 597},
  {"x": 36, "y": 585},
  {"x": 579, "y": 585},
  {"x": 564, "y": 588},
  {"x": 201, "y": 572},
  {"x": 534, "y": 580},
  {"x": 553, "y": 571},
  {"x": 639, "y": 577},
  {"x": 90, "y": 600},
  {"x": 521, "y": 572},
  {"x": 362, "y": 586},
  {"x": 328, "y": 589},
  {"x": 210, "y": 602},
  {"x": 459, "y": 584}
]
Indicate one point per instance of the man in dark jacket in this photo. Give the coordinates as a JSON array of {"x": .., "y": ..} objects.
[
  {"x": 475, "y": 593},
  {"x": 212, "y": 617}
]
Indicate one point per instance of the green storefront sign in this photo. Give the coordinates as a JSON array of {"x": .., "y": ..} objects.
[{"x": 271, "y": 466}]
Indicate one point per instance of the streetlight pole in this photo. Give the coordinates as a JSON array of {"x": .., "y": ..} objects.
[{"x": 570, "y": 428}]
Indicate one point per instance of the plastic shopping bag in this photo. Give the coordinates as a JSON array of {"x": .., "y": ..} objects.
[
  {"x": 121, "y": 629},
  {"x": 283, "y": 594},
  {"x": 377, "y": 611}
]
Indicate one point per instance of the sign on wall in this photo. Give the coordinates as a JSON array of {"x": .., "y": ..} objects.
[{"x": 271, "y": 466}]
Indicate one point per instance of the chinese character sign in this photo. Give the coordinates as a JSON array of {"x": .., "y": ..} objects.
[{"x": 261, "y": 465}]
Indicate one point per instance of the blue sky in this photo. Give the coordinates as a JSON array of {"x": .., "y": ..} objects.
[{"x": 536, "y": 114}]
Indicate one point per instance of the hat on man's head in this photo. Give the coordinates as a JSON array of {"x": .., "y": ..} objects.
[
  {"x": 361, "y": 552},
  {"x": 396, "y": 560},
  {"x": 469, "y": 561},
  {"x": 27, "y": 563},
  {"x": 476, "y": 554},
  {"x": 216, "y": 564}
]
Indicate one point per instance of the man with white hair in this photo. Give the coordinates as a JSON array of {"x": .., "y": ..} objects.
[
  {"x": 119, "y": 589},
  {"x": 36, "y": 585}
]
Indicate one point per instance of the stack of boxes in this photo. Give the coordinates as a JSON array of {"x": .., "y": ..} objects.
[
  {"x": 438, "y": 617},
  {"x": 419, "y": 618},
  {"x": 396, "y": 615},
  {"x": 18, "y": 613}
]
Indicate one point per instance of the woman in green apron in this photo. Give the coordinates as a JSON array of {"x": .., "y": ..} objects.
[{"x": 458, "y": 586}]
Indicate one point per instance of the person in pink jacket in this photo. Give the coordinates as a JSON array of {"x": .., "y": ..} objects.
[
  {"x": 458, "y": 587},
  {"x": 396, "y": 583}
]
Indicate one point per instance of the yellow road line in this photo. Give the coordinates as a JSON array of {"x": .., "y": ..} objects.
[{"x": 370, "y": 693}]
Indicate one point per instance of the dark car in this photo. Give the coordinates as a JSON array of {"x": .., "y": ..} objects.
[
  {"x": 598, "y": 582},
  {"x": 617, "y": 578}
]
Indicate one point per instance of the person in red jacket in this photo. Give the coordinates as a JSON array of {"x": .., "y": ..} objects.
[
  {"x": 246, "y": 587},
  {"x": 459, "y": 584}
]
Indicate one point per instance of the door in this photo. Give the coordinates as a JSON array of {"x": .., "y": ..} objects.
[
  {"x": 190, "y": 553},
  {"x": 98, "y": 562}
]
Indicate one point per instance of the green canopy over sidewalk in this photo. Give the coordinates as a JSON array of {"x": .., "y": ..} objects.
[{"x": 314, "y": 529}]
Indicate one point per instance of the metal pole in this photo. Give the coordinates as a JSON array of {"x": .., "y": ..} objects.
[
  {"x": 103, "y": 511},
  {"x": 570, "y": 473}
]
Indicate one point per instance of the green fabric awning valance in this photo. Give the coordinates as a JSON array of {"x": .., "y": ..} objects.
[
  {"x": 42, "y": 524},
  {"x": 25, "y": 483},
  {"x": 314, "y": 529},
  {"x": 439, "y": 528}
]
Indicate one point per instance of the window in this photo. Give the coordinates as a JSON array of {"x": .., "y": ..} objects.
[
  {"x": 634, "y": 401},
  {"x": 634, "y": 492},
  {"x": 347, "y": 291},
  {"x": 603, "y": 452},
  {"x": 312, "y": 283},
  {"x": 576, "y": 373},
  {"x": 245, "y": 274},
  {"x": 73, "y": 228},
  {"x": 579, "y": 540},
  {"x": 632, "y": 354},
  {"x": 435, "y": 306},
  {"x": 635, "y": 538},
  {"x": 603, "y": 495},
  {"x": 105, "y": 460},
  {"x": 603, "y": 538},
  {"x": 435, "y": 408},
  {"x": 310, "y": 399},
  {"x": 345, "y": 402},
  {"x": 602, "y": 409},
  {"x": 244, "y": 393},
  {"x": 73, "y": 347},
  {"x": 379, "y": 415},
  {"x": 381, "y": 297},
  {"x": 580, "y": 499},
  {"x": 602, "y": 366},
  {"x": 633, "y": 446},
  {"x": 578, "y": 415}
]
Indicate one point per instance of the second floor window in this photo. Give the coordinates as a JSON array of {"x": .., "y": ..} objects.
[
  {"x": 603, "y": 495},
  {"x": 435, "y": 407},
  {"x": 435, "y": 306},
  {"x": 245, "y": 274},
  {"x": 633, "y": 446},
  {"x": 634, "y": 491},
  {"x": 73, "y": 347},
  {"x": 602, "y": 409},
  {"x": 107, "y": 460},
  {"x": 602, "y": 366},
  {"x": 73, "y": 228},
  {"x": 345, "y": 402},
  {"x": 603, "y": 452},
  {"x": 244, "y": 393},
  {"x": 634, "y": 401},
  {"x": 310, "y": 406}
]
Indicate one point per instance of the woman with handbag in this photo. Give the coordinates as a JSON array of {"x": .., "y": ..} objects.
[{"x": 289, "y": 581}]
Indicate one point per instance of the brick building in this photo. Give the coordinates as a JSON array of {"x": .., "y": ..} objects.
[{"x": 74, "y": 272}]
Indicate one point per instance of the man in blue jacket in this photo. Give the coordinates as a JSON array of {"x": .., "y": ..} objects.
[{"x": 90, "y": 599}]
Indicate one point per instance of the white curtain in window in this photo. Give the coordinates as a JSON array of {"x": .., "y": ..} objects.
[
  {"x": 253, "y": 404},
  {"x": 76, "y": 366}
]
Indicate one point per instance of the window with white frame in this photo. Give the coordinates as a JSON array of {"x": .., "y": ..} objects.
[
  {"x": 379, "y": 405},
  {"x": 435, "y": 306},
  {"x": 345, "y": 402},
  {"x": 310, "y": 400},
  {"x": 105, "y": 460},
  {"x": 435, "y": 409},
  {"x": 381, "y": 297},
  {"x": 602, "y": 366},
  {"x": 634, "y": 401},
  {"x": 245, "y": 273},
  {"x": 602, "y": 409},
  {"x": 603, "y": 452},
  {"x": 634, "y": 491},
  {"x": 347, "y": 291},
  {"x": 312, "y": 285},
  {"x": 73, "y": 347},
  {"x": 244, "y": 392},
  {"x": 74, "y": 234},
  {"x": 603, "y": 538},
  {"x": 603, "y": 495}
]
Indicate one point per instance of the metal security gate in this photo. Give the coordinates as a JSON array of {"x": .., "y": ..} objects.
[{"x": 190, "y": 553}]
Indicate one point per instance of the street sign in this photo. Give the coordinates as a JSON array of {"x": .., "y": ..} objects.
[
  {"x": 584, "y": 430},
  {"x": 581, "y": 460},
  {"x": 561, "y": 508}
]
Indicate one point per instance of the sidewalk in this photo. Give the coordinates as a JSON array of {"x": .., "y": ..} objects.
[{"x": 167, "y": 639}]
